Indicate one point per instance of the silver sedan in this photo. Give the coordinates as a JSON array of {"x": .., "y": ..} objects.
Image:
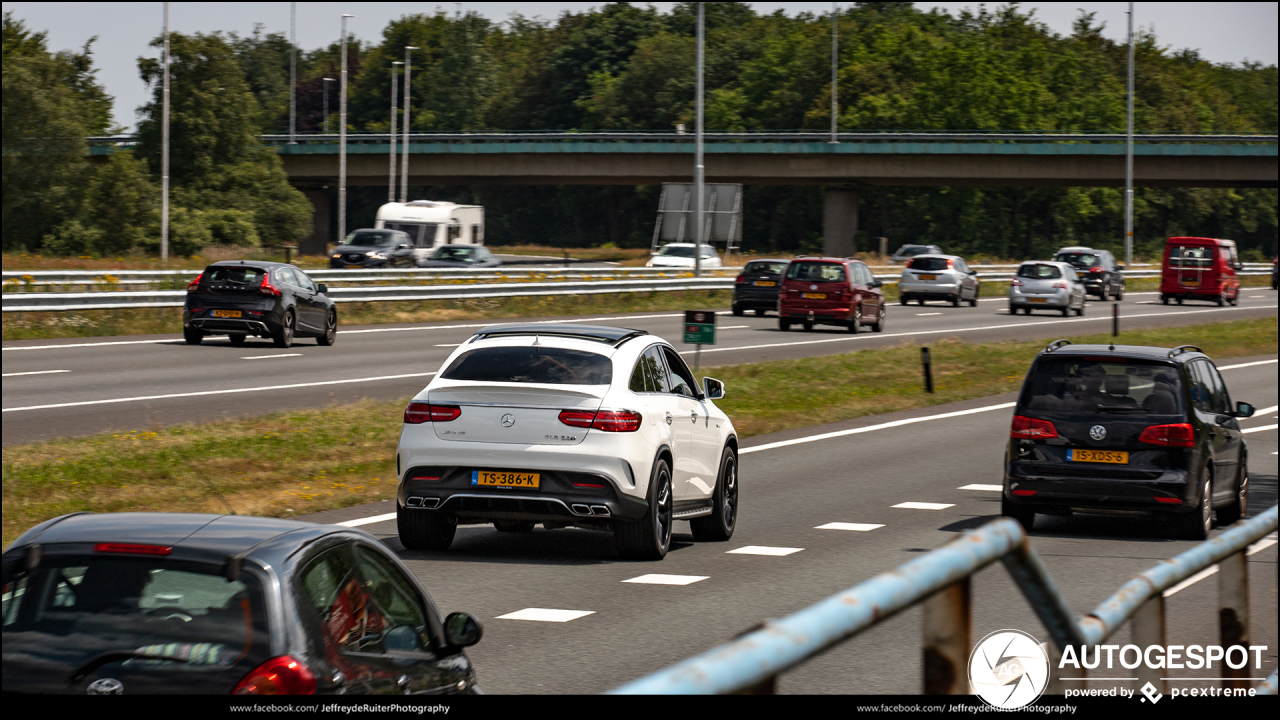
[{"x": 1048, "y": 286}]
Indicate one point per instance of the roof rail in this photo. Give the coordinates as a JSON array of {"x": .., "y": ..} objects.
[
  {"x": 1184, "y": 348},
  {"x": 1055, "y": 345}
]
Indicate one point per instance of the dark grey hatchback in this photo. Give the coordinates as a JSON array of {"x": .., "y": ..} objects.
[
  {"x": 757, "y": 287},
  {"x": 169, "y": 603},
  {"x": 1124, "y": 429},
  {"x": 266, "y": 299}
]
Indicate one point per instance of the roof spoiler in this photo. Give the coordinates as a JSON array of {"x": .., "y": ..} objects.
[
  {"x": 1055, "y": 345},
  {"x": 1184, "y": 348}
]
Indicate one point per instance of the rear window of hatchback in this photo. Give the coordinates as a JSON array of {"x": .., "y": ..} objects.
[
  {"x": 774, "y": 268},
  {"x": 929, "y": 263},
  {"x": 1039, "y": 272},
  {"x": 543, "y": 365},
  {"x": 1087, "y": 386},
  {"x": 816, "y": 272},
  {"x": 239, "y": 275}
]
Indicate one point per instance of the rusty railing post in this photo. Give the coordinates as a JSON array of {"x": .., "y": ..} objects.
[
  {"x": 948, "y": 636},
  {"x": 1148, "y": 629},
  {"x": 1233, "y": 615}
]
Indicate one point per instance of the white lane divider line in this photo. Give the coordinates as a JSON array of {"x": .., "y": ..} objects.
[
  {"x": 268, "y": 357},
  {"x": 98, "y": 344},
  {"x": 1254, "y": 549},
  {"x": 218, "y": 392},
  {"x": 1244, "y": 365},
  {"x": 660, "y": 579},
  {"x": 34, "y": 372},
  {"x": 368, "y": 521},
  {"x": 855, "y": 527},
  {"x": 926, "y": 314},
  {"x": 450, "y": 345},
  {"x": 546, "y": 615},
  {"x": 980, "y": 486},
  {"x": 1246, "y": 431},
  {"x": 923, "y": 506},
  {"x": 869, "y": 428},
  {"x": 1265, "y": 411},
  {"x": 487, "y": 324},
  {"x": 764, "y": 550},
  {"x": 734, "y": 327}
]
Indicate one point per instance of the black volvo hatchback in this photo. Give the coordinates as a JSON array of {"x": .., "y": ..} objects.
[
  {"x": 170, "y": 603},
  {"x": 757, "y": 287},
  {"x": 1127, "y": 429},
  {"x": 266, "y": 299}
]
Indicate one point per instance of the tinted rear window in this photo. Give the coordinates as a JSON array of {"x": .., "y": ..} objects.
[
  {"x": 1191, "y": 257},
  {"x": 1082, "y": 385},
  {"x": 1039, "y": 272},
  {"x": 240, "y": 275},
  {"x": 71, "y": 609},
  {"x": 931, "y": 263},
  {"x": 909, "y": 250},
  {"x": 556, "y": 366},
  {"x": 1081, "y": 260},
  {"x": 765, "y": 268},
  {"x": 816, "y": 272}
]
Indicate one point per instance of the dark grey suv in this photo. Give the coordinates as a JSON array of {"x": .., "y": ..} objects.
[
  {"x": 1098, "y": 270},
  {"x": 266, "y": 299}
]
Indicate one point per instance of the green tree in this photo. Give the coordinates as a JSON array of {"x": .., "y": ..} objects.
[{"x": 120, "y": 202}]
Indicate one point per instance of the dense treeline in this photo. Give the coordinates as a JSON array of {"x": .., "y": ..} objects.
[{"x": 626, "y": 67}]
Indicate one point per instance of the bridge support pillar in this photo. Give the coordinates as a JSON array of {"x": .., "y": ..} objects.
[
  {"x": 839, "y": 221},
  {"x": 322, "y": 222}
]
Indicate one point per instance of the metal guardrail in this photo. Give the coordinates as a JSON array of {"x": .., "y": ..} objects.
[{"x": 939, "y": 581}]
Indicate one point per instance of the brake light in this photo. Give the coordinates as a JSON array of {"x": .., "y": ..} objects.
[
  {"x": 1168, "y": 500},
  {"x": 1024, "y": 493},
  {"x": 278, "y": 676},
  {"x": 605, "y": 420},
  {"x": 740, "y": 279},
  {"x": 267, "y": 288},
  {"x": 1015, "y": 282},
  {"x": 1177, "y": 435},
  {"x": 1097, "y": 269},
  {"x": 132, "y": 549},
  {"x": 191, "y": 286},
  {"x": 1060, "y": 286},
  {"x": 950, "y": 264},
  {"x": 418, "y": 413},
  {"x": 1030, "y": 428}
]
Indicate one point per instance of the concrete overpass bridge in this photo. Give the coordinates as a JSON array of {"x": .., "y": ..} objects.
[{"x": 789, "y": 158}]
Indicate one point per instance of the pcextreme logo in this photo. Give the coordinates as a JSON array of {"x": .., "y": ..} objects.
[{"x": 1008, "y": 669}]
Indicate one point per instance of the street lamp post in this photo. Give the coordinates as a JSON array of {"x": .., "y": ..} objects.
[
  {"x": 1128, "y": 158},
  {"x": 835, "y": 53},
  {"x": 342, "y": 137},
  {"x": 391, "y": 136},
  {"x": 164, "y": 152},
  {"x": 698, "y": 169},
  {"x": 404, "y": 160},
  {"x": 325, "y": 85},
  {"x": 293, "y": 73}
]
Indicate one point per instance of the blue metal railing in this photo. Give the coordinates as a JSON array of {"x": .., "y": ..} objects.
[{"x": 752, "y": 662}]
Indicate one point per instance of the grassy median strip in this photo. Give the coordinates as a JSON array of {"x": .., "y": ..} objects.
[{"x": 302, "y": 461}]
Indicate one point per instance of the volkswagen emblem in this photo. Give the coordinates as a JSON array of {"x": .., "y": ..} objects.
[
  {"x": 1097, "y": 432},
  {"x": 508, "y": 420},
  {"x": 813, "y": 287},
  {"x": 105, "y": 686}
]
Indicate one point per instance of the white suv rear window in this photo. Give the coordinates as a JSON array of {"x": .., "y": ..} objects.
[{"x": 549, "y": 365}]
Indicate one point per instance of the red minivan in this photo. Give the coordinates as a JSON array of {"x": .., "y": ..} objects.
[
  {"x": 1200, "y": 269},
  {"x": 830, "y": 291}
]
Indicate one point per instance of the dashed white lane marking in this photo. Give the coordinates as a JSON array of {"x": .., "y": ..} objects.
[
  {"x": 218, "y": 392},
  {"x": 34, "y": 372},
  {"x": 368, "y": 521},
  {"x": 855, "y": 527},
  {"x": 1248, "y": 364},
  {"x": 923, "y": 506},
  {"x": 764, "y": 550},
  {"x": 980, "y": 486},
  {"x": 546, "y": 615},
  {"x": 450, "y": 345},
  {"x": 881, "y": 426},
  {"x": 660, "y": 579},
  {"x": 1246, "y": 431},
  {"x": 1254, "y": 549},
  {"x": 1265, "y": 411},
  {"x": 926, "y": 314},
  {"x": 268, "y": 357},
  {"x": 734, "y": 327},
  {"x": 179, "y": 341}
]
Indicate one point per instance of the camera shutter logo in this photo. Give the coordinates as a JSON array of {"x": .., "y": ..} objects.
[{"x": 1008, "y": 669}]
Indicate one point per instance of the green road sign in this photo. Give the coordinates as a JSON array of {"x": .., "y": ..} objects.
[{"x": 699, "y": 327}]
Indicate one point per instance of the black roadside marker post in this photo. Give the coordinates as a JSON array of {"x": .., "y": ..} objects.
[
  {"x": 928, "y": 369},
  {"x": 1115, "y": 324}
]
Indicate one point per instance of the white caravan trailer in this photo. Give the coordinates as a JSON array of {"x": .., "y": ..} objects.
[{"x": 431, "y": 224}]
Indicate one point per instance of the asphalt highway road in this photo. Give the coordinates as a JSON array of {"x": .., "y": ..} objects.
[
  {"x": 790, "y": 487},
  {"x": 82, "y": 386}
]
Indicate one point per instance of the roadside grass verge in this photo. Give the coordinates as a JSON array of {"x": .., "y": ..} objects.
[{"x": 295, "y": 462}]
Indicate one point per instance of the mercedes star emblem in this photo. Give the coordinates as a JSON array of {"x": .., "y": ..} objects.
[{"x": 508, "y": 420}]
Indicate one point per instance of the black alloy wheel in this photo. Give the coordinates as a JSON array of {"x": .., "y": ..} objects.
[
  {"x": 1239, "y": 508},
  {"x": 719, "y": 525},
  {"x": 650, "y": 537},
  {"x": 857, "y": 319},
  {"x": 424, "y": 530},
  {"x": 192, "y": 336},
  {"x": 283, "y": 336},
  {"x": 237, "y": 338},
  {"x": 330, "y": 329}
]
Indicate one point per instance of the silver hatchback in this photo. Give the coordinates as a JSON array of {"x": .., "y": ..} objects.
[
  {"x": 938, "y": 277},
  {"x": 1046, "y": 285}
]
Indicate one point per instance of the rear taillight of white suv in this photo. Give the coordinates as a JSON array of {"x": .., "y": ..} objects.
[
  {"x": 606, "y": 420},
  {"x": 418, "y": 413}
]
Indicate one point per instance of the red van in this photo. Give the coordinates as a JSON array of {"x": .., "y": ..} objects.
[
  {"x": 830, "y": 291},
  {"x": 1200, "y": 269}
]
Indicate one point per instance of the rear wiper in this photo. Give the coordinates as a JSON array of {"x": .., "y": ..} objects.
[
  {"x": 111, "y": 656},
  {"x": 1119, "y": 408}
]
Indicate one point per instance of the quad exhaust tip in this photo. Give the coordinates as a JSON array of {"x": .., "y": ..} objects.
[
  {"x": 580, "y": 509},
  {"x": 600, "y": 510},
  {"x": 430, "y": 503},
  {"x": 593, "y": 510}
]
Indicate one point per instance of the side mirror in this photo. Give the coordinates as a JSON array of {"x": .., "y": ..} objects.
[
  {"x": 877, "y": 283},
  {"x": 712, "y": 388},
  {"x": 402, "y": 246},
  {"x": 1119, "y": 267},
  {"x": 1244, "y": 410},
  {"x": 461, "y": 630},
  {"x": 973, "y": 272},
  {"x": 322, "y": 288}
]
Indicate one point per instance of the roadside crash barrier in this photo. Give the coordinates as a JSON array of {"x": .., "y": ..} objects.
[{"x": 940, "y": 582}]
